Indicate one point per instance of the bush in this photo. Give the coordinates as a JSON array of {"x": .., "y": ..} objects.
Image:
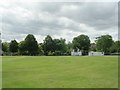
[
  {"x": 50, "y": 53},
  {"x": 57, "y": 53}
]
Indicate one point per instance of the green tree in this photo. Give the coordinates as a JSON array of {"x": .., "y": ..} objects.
[
  {"x": 57, "y": 44},
  {"x": 69, "y": 48},
  {"x": 104, "y": 43},
  {"x": 115, "y": 48},
  {"x": 93, "y": 47},
  {"x": 41, "y": 52},
  {"x": 13, "y": 47},
  {"x": 60, "y": 46},
  {"x": 22, "y": 48},
  {"x": 81, "y": 42},
  {"x": 0, "y": 44},
  {"x": 31, "y": 45},
  {"x": 64, "y": 46},
  {"x": 48, "y": 45},
  {"x": 5, "y": 47},
  {"x": 117, "y": 44}
]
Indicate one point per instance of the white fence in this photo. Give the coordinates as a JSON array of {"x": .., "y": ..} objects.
[
  {"x": 91, "y": 53},
  {"x": 77, "y": 53}
]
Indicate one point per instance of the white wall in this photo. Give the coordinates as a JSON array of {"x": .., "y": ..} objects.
[
  {"x": 76, "y": 53},
  {"x": 96, "y": 53}
]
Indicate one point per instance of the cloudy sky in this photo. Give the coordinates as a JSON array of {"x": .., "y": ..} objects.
[{"x": 58, "y": 19}]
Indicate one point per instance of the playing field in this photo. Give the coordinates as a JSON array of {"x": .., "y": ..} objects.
[{"x": 60, "y": 72}]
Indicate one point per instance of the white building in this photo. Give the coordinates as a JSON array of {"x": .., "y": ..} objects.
[
  {"x": 92, "y": 53},
  {"x": 77, "y": 53}
]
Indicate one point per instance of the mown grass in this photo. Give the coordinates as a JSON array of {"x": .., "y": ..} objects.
[{"x": 60, "y": 72}]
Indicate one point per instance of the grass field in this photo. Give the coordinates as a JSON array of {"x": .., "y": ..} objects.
[{"x": 60, "y": 72}]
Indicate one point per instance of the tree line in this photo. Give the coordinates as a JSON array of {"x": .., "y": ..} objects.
[{"x": 55, "y": 47}]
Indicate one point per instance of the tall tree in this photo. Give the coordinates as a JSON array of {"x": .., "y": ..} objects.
[
  {"x": 22, "y": 48},
  {"x": 93, "y": 47},
  {"x": 81, "y": 42},
  {"x": 31, "y": 45},
  {"x": 104, "y": 43},
  {"x": 13, "y": 47},
  {"x": 60, "y": 46},
  {"x": 5, "y": 47},
  {"x": 41, "y": 52},
  {"x": 48, "y": 45},
  {"x": 0, "y": 44},
  {"x": 117, "y": 44},
  {"x": 69, "y": 48},
  {"x": 64, "y": 47},
  {"x": 115, "y": 48}
]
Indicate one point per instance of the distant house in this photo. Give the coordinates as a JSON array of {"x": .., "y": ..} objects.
[
  {"x": 92, "y": 53},
  {"x": 76, "y": 53}
]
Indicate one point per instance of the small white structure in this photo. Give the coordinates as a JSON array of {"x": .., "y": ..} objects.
[
  {"x": 92, "y": 53},
  {"x": 78, "y": 53}
]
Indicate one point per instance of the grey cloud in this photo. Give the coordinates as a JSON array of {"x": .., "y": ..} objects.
[
  {"x": 97, "y": 15},
  {"x": 57, "y": 19}
]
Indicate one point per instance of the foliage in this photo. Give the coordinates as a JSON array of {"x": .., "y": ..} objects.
[
  {"x": 5, "y": 47},
  {"x": 93, "y": 47},
  {"x": 31, "y": 45},
  {"x": 13, "y": 47},
  {"x": 69, "y": 48},
  {"x": 115, "y": 47},
  {"x": 104, "y": 43},
  {"x": 41, "y": 52},
  {"x": 48, "y": 45},
  {"x": 117, "y": 44},
  {"x": 81, "y": 42},
  {"x": 58, "y": 47},
  {"x": 22, "y": 48}
]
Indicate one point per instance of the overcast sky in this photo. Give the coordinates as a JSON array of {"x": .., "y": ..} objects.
[{"x": 58, "y": 19}]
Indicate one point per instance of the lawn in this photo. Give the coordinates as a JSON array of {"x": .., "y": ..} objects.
[{"x": 60, "y": 72}]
